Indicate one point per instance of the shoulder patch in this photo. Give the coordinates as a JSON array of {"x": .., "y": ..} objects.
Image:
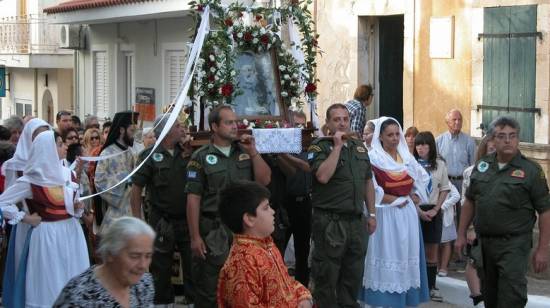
[
  {"x": 194, "y": 164},
  {"x": 314, "y": 148}
]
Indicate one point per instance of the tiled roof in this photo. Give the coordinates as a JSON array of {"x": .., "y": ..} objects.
[{"x": 75, "y": 5}]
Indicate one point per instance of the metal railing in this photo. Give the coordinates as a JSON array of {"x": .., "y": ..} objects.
[{"x": 28, "y": 34}]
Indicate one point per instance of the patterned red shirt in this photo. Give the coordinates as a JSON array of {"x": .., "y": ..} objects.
[{"x": 254, "y": 275}]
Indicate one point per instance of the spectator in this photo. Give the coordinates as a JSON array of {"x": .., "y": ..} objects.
[
  {"x": 91, "y": 121},
  {"x": 105, "y": 131},
  {"x": 5, "y": 133},
  {"x": 64, "y": 122},
  {"x": 357, "y": 107},
  {"x": 71, "y": 136},
  {"x": 126, "y": 248},
  {"x": 410, "y": 134},
  {"x": 15, "y": 125},
  {"x": 77, "y": 124},
  {"x": 92, "y": 140}
]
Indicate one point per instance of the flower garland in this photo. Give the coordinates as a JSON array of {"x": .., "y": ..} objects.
[{"x": 236, "y": 29}]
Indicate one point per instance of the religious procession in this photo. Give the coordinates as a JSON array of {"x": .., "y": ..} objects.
[{"x": 236, "y": 155}]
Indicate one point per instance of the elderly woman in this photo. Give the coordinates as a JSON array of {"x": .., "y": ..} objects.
[
  {"x": 395, "y": 265},
  {"x": 122, "y": 280}
]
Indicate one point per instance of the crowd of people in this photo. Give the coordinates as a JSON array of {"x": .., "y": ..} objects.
[{"x": 372, "y": 211}]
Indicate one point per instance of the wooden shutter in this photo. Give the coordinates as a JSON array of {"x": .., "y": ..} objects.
[
  {"x": 175, "y": 66},
  {"x": 101, "y": 85},
  {"x": 509, "y": 65}
]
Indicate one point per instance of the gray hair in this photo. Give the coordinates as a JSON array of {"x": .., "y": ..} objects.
[
  {"x": 502, "y": 121},
  {"x": 449, "y": 114},
  {"x": 89, "y": 119},
  {"x": 14, "y": 122},
  {"x": 116, "y": 236},
  {"x": 159, "y": 124}
]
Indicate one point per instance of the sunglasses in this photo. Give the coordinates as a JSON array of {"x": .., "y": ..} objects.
[
  {"x": 72, "y": 137},
  {"x": 94, "y": 138}
]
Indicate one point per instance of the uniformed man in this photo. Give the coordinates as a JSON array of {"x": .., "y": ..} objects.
[
  {"x": 506, "y": 190},
  {"x": 225, "y": 159},
  {"x": 164, "y": 176},
  {"x": 342, "y": 184}
]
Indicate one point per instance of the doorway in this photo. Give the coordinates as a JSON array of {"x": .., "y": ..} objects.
[
  {"x": 381, "y": 63},
  {"x": 47, "y": 106}
]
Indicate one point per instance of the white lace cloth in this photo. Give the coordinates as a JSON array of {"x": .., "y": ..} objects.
[
  {"x": 278, "y": 140},
  {"x": 393, "y": 255}
]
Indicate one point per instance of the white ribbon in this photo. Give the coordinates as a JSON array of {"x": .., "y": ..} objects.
[
  {"x": 312, "y": 103},
  {"x": 180, "y": 97},
  {"x": 296, "y": 49}
]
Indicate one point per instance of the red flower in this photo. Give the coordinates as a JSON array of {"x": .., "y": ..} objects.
[
  {"x": 226, "y": 89},
  {"x": 248, "y": 36},
  {"x": 258, "y": 17},
  {"x": 228, "y": 22},
  {"x": 310, "y": 88},
  {"x": 211, "y": 78},
  {"x": 264, "y": 39},
  {"x": 200, "y": 8},
  {"x": 314, "y": 42},
  {"x": 241, "y": 125}
]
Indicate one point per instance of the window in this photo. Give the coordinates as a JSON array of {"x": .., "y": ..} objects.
[
  {"x": 23, "y": 107},
  {"x": 174, "y": 68},
  {"x": 102, "y": 89},
  {"x": 509, "y": 57}
]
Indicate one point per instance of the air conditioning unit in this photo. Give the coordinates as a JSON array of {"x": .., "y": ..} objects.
[{"x": 71, "y": 37}]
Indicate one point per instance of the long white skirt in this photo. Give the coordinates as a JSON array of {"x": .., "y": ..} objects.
[
  {"x": 57, "y": 253},
  {"x": 393, "y": 255}
]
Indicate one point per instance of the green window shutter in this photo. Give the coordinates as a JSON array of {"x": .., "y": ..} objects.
[{"x": 509, "y": 65}]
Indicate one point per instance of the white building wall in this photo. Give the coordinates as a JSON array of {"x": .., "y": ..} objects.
[{"x": 149, "y": 41}]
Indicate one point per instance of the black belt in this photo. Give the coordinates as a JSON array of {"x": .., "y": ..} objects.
[
  {"x": 456, "y": 178},
  {"x": 337, "y": 216}
]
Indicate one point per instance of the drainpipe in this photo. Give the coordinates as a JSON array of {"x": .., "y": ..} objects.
[{"x": 35, "y": 107}]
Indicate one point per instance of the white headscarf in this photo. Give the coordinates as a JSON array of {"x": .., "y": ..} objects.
[
  {"x": 44, "y": 168},
  {"x": 21, "y": 155},
  {"x": 382, "y": 160}
]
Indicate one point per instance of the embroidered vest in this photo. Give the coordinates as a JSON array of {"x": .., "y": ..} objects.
[
  {"x": 394, "y": 183},
  {"x": 48, "y": 202}
]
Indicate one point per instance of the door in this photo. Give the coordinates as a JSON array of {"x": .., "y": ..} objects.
[
  {"x": 390, "y": 71},
  {"x": 509, "y": 57}
]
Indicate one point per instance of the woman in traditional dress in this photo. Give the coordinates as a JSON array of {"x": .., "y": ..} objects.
[
  {"x": 395, "y": 265},
  {"x": 12, "y": 169},
  {"x": 55, "y": 250}
]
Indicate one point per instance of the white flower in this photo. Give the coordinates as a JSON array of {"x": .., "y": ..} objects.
[
  {"x": 240, "y": 35},
  {"x": 216, "y": 78},
  {"x": 213, "y": 69},
  {"x": 240, "y": 43},
  {"x": 214, "y": 34},
  {"x": 286, "y": 77},
  {"x": 245, "y": 122},
  {"x": 268, "y": 46},
  {"x": 201, "y": 93},
  {"x": 255, "y": 41},
  {"x": 262, "y": 30},
  {"x": 251, "y": 125},
  {"x": 282, "y": 67},
  {"x": 283, "y": 94},
  {"x": 210, "y": 86},
  {"x": 212, "y": 58},
  {"x": 255, "y": 33},
  {"x": 294, "y": 75},
  {"x": 233, "y": 73}
]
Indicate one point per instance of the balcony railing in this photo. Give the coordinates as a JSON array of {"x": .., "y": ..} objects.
[{"x": 28, "y": 34}]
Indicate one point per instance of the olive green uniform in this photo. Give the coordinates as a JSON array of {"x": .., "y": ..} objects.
[
  {"x": 164, "y": 176},
  {"x": 208, "y": 171},
  {"x": 339, "y": 229},
  {"x": 505, "y": 204}
]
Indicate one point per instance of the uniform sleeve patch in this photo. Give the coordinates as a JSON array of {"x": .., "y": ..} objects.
[
  {"x": 314, "y": 149},
  {"x": 191, "y": 174},
  {"x": 310, "y": 156},
  {"x": 194, "y": 164},
  {"x": 518, "y": 173}
]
